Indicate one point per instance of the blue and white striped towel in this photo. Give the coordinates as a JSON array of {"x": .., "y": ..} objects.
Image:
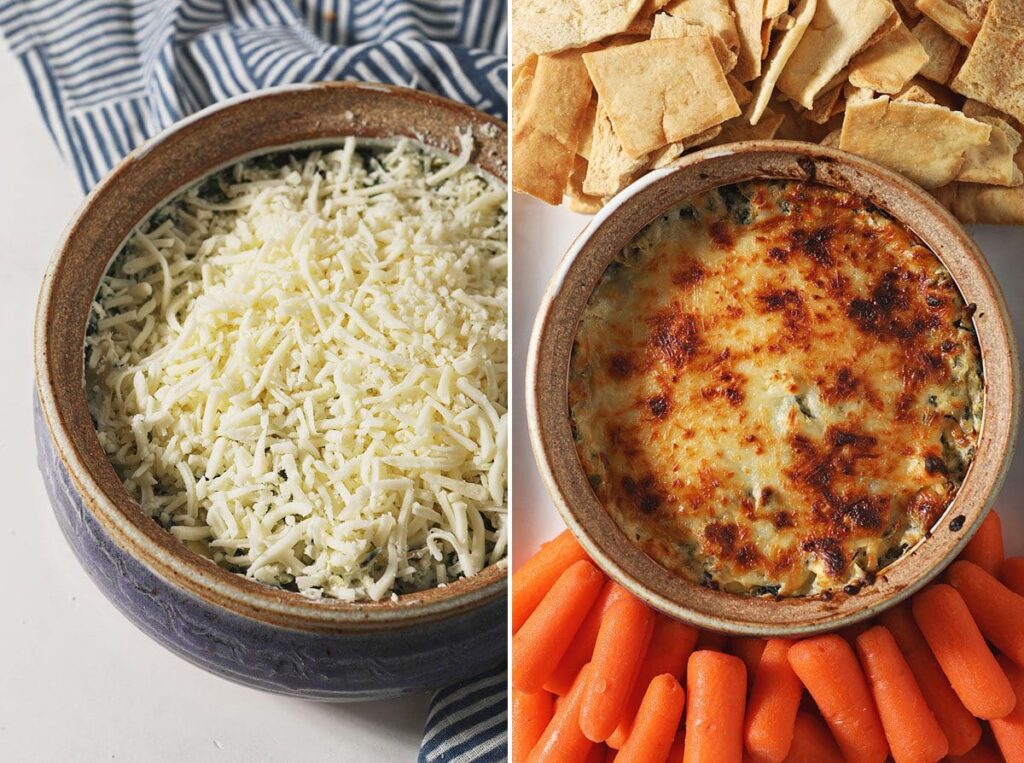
[{"x": 107, "y": 74}]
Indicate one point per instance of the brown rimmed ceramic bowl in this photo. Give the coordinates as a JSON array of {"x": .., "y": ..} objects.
[
  {"x": 555, "y": 331},
  {"x": 254, "y": 634}
]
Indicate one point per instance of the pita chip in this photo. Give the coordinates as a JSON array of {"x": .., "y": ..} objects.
[
  {"x": 889, "y": 64},
  {"x": 666, "y": 156},
  {"x": 942, "y": 51},
  {"x": 667, "y": 27},
  {"x": 984, "y": 204},
  {"x": 749, "y": 15},
  {"x": 717, "y": 15},
  {"x": 940, "y": 94},
  {"x": 960, "y": 18},
  {"x": 917, "y": 94},
  {"x": 740, "y": 128},
  {"x": 823, "y": 105},
  {"x": 993, "y": 163},
  {"x": 993, "y": 72},
  {"x": 838, "y": 29},
  {"x": 547, "y": 128},
  {"x": 739, "y": 90},
  {"x": 541, "y": 26},
  {"x": 661, "y": 91},
  {"x": 926, "y": 142},
  {"x": 580, "y": 201},
  {"x": 610, "y": 168},
  {"x": 781, "y": 52}
]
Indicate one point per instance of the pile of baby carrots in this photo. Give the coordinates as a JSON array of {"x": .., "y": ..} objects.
[{"x": 599, "y": 676}]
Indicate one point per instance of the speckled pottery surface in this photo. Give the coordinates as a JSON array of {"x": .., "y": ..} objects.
[
  {"x": 555, "y": 331},
  {"x": 254, "y": 634}
]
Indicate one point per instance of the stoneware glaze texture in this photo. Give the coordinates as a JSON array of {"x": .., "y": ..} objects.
[
  {"x": 250, "y": 633},
  {"x": 555, "y": 330}
]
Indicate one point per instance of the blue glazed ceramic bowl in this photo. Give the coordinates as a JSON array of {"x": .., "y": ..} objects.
[{"x": 254, "y": 634}]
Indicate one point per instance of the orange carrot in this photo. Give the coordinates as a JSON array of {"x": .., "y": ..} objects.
[
  {"x": 598, "y": 754},
  {"x": 913, "y": 733},
  {"x": 716, "y": 687},
  {"x": 582, "y": 647},
  {"x": 985, "y": 549},
  {"x": 997, "y": 610},
  {"x": 562, "y": 741},
  {"x": 626, "y": 631},
  {"x": 531, "y": 714},
  {"x": 1011, "y": 572},
  {"x": 773, "y": 704},
  {"x": 812, "y": 741},
  {"x": 657, "y": 722},
  {"x": 954, "y": 638},
  {"x": 532, "y": 581},
  {"x": 1009, "y": 730},
  {"x": 961, "y": 728},
  {"x": 610, "y": 754},
  {"x": 749, "y": 650},
  {"x": 828, "y": 668},
  {"x": 671, "y": 644},
  {"x": 982, "y": 753},
  {"x": 543, "y": 639}
]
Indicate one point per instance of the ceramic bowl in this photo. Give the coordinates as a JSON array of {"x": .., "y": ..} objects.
[
  {"x": 254, "y": 634},
  {"x": 555, "y": 330}
]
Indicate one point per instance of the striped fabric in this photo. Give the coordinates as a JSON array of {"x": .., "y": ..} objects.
[
  {"x": 467, "y": 722},
  {"x": 107, "y": 74}
]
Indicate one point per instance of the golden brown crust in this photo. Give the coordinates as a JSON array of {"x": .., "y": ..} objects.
[{"x": 775, "y": 390}]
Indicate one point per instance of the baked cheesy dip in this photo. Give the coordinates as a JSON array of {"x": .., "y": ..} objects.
[{"x": 776, "y": 389}]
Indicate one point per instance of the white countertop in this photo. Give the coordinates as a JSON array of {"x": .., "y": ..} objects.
[
  {"x": 79, "y": 682},
  {"x": 540, "y": 236}
]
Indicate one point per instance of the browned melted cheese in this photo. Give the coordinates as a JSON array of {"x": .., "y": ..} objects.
[{"x": 776, "y": 389}]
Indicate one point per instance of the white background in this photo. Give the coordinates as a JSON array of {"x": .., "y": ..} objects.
[
  {"x": 540, "y": 236},
  {"x": 78, "y": 682}
]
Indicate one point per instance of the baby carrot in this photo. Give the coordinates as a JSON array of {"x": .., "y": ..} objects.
[
  {"x": 913, "y": 733},
  {"x": 1009, "y": 730},
  {"x": 985, "y": 549},
  {"x": 982, "y": 753},
  {"x": 562, "y": 741},
  {"x": 828, "y": 668},
  {"x": 671, "y": 644},
  {"x": 620, "y": 650},
  {"x": 1011, "y": 572},
  {"x": 532, "y": 581},
  {"x": 598, "y": 754},
  {"x": 531, "y": 714},
  {"x": 582, "y": 647},
  {"x": 773, "y": 704},
  {"x": 657, "y": 722},
  {"x": 961, "y": 651},
  {"x": 997, "y": 610},
  {"x": 961, "y": 728},
  {"x": 610, "y": 754},
  {"x": 812, "y": 741},
  {"x": 716, "y": 687},
  {"x": 749, "y": 650},
  {"x": 543, "y": 639}
]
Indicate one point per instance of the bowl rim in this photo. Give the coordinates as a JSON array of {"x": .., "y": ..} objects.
[
  {"x": 547, "y": 393},
  {"x": 122, "y": 518}
]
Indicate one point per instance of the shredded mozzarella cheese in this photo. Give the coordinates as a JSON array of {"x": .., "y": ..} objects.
[{"x": 299, "y": 368}]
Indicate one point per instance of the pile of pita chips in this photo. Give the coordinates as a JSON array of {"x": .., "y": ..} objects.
[{"x": 604, "y": 91}]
